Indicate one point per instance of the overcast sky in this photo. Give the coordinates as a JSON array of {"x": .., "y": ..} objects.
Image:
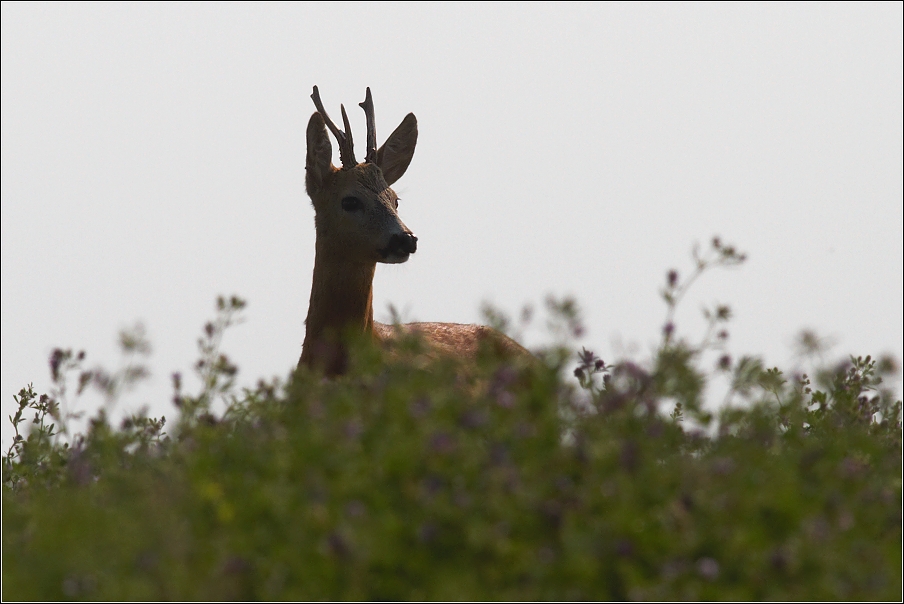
[{"x": 153, "y": 158}]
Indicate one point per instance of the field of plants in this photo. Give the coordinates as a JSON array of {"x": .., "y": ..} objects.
[{"x": 559, "y": 478}]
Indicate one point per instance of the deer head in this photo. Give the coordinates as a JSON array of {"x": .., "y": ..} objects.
[{"x": 356, "y": 215}]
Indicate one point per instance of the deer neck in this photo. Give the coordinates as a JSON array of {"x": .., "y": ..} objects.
[{"x": 341, "y": 304}]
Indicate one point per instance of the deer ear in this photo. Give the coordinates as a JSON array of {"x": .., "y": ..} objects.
[
  {"x": 319, "y": 161},
  {"x": 396, "y": 153}
]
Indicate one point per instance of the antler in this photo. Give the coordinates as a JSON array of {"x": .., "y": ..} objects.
[
  {"x": 346, "y": 145},
  {"x": 368, "y": 107}
]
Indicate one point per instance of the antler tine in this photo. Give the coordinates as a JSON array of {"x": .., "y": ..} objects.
[
  {"x": 340, "y": 136},
  {"x": 350, "y": 144},
  {"x": 368, "y": 107},
  {"x": 346, "y": 147}
]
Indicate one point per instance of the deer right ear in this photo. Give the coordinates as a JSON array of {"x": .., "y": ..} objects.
[
  {"x": 396, "y": 153},
  {"x": 319, "y": 161}
]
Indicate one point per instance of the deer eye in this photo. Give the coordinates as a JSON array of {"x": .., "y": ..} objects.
[
  {"x": 352, "y": 204},
  {"x": 397, "y": 204}
]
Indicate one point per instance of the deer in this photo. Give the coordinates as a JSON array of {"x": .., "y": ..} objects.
[{"x": 357, "y": 226}]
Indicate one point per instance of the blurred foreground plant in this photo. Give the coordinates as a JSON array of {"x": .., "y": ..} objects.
[{"x": 419, "y": 478}]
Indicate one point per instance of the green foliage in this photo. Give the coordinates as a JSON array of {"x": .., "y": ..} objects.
[{"x": 431, "y": 479}]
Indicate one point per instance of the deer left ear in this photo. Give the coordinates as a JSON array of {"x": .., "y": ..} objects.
[
  {"x": 319, "y": 160},
  {"x": 396, "y": 153}
]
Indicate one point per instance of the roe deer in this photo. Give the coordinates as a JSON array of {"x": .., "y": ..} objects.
[{"x": 357, "y": 225}]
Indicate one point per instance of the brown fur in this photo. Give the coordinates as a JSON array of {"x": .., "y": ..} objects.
[{"x": 350, "y": 243}]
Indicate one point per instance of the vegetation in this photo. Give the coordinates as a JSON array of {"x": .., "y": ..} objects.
[{"x": 412, "y": 479}]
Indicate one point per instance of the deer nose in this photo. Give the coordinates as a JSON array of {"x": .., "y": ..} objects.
[{"x": 405, "y": 243}]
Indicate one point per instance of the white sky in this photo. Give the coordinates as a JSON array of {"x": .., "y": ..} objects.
[{"x": 153, "y": 157}]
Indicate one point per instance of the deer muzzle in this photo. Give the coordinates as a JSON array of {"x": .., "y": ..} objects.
[{"x": 400, "y": 246}]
